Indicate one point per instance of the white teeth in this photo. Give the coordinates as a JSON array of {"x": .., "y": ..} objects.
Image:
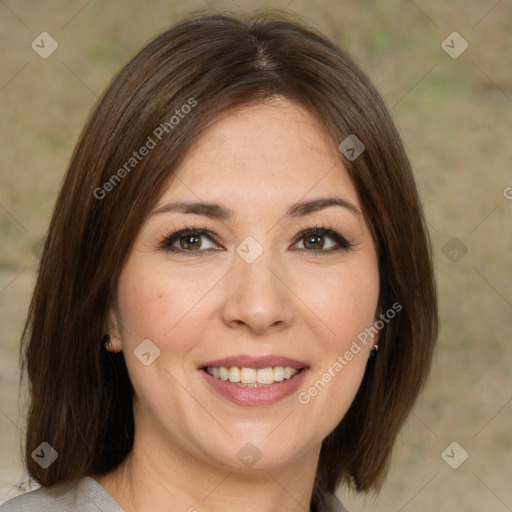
[
  {"x": 224, "y": 373},
  {"x": 288, "y": 372},
  {"x": 265, "y": 376},
  {"x": 278, "y": 373},
  {"x": 251, "y": 377},
  {"x": 248, "y": 376},
  {"x": 234, "y": 374}
]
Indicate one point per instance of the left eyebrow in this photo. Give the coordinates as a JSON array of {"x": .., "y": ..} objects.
[
  {"x": 216, "y": 211},
  {"x": 306, "y": 207}
]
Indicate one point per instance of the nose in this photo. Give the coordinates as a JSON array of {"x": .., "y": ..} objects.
[{"x": 257, "y": 297}]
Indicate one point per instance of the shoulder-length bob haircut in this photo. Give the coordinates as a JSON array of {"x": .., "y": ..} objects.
[{"x": 80, "y": 395}]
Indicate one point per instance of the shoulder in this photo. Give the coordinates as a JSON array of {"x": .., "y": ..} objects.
[{"x": 84, "y": 495}]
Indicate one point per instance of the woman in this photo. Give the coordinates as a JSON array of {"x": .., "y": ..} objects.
[{"x": 235, "y": 307}]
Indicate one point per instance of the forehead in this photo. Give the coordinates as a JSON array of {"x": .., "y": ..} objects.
[{"x": 264, "y": 153}]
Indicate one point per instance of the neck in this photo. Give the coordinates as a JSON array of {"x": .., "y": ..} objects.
[{"x": 151, "y": 478}]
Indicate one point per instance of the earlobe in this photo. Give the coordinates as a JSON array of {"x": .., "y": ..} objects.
[
  {"x": 112, "y": 344},
  {"x": 375, "y": 344},
  {"x": 375, "y": 347},
  {"x": 375, "y": 337},
  {"x": 112, "y": 340}
]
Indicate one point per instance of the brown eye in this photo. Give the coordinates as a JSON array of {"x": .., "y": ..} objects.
[
  {"x": 314, "y": 242},
  {"x": 192, "y": 241},
  {"x": 322, "y": 240},
  {"x": 188, "y": 240}
]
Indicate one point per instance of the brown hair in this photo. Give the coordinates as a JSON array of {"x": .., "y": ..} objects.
[{"x": 80, "y": 394}]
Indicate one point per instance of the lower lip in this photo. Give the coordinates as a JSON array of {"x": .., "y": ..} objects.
[{"x": 251, "y": 397}]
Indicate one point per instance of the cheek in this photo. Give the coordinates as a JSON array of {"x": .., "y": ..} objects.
[
  {"x": 158, "y": 302},
  {"x": 342, "y": 303},
  {"x": 342, "y": 310}
]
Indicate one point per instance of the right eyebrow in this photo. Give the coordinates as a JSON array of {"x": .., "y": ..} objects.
[{"x": 212, "y": 210}]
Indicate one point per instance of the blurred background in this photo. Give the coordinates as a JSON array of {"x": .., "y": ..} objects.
[{"x": 444, "y": 70}]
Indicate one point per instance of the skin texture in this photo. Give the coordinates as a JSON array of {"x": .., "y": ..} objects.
[{"x": 309, "y": 305}]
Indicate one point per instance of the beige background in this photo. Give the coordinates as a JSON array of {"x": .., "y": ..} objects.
[{"x": 455, "y": 117}]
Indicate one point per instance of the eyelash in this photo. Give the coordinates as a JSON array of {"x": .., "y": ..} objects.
[{"x": 343, "y": 244}]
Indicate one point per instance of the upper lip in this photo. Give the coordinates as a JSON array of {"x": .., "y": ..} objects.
[{"x": 247, "y": 361}]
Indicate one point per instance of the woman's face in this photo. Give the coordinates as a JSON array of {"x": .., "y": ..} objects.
[{"x": 249, "y": 284}]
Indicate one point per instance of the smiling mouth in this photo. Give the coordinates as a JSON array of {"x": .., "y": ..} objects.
[{"x": 252, "y": 377}]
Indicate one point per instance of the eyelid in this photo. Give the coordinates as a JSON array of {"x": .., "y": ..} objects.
[
  {"x": 167, "y": 241},
  {"x": 341, "y": 242}
]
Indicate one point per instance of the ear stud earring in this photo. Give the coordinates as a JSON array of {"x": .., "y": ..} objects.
[{"x": 109, "y": 346}]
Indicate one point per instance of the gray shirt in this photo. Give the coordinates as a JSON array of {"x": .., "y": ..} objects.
[{"x": 87, "y": 495}]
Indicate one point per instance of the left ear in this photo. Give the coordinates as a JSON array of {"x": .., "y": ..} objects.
[
  {"x": 376, "y": 336},
  {"x": 111, "y": 328},
  {"x": 111, "y": 324}
]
